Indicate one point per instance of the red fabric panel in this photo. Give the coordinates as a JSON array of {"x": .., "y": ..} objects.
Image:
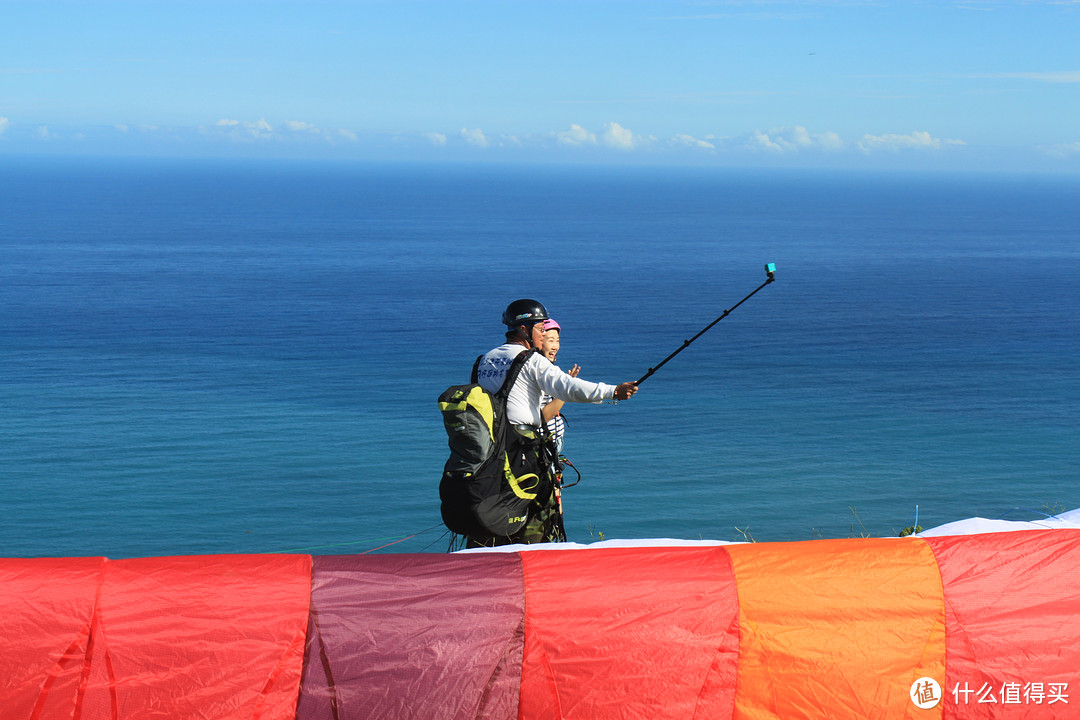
[
  {"x": 199, "y": 637},
  {"x": 46, "y": 607},
  {"x": 629, "y": 633},
  {"x": 1012, "y": 614},
  {"x": 424, "y": 637}
]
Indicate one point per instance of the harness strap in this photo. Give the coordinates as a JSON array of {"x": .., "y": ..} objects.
[{"x": 514, "y": 371}]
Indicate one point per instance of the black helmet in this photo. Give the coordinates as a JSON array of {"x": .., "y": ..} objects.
[{"x": 524, "y": 312}]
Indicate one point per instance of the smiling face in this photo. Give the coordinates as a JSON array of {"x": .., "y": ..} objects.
[
  {"x": 535, "y": 334},
  {"x": 550, "y": 344}
]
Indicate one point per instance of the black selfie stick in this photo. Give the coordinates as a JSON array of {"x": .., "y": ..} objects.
[{"x": 770, "y": 271}]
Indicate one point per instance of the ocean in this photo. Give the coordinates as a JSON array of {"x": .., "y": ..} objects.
[{"x": 210, "y": 356}]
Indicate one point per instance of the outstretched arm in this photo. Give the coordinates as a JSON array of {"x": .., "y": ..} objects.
[{"x": 558, "y": 384}]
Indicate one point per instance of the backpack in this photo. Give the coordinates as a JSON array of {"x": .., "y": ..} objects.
[{"x": 483, "y": 492}]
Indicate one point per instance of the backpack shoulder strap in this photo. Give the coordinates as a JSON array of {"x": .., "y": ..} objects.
[
  {"x": 514, "y": 371},
  {"x": 475, "y": 378}
]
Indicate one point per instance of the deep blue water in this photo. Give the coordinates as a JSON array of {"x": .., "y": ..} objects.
[{"x": 200, "y": 357}]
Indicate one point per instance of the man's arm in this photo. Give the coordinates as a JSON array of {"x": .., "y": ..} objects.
[{"x": 563, "y": 386}]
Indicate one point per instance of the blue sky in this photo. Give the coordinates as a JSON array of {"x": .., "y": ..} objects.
[{"x": 991, "y": 84}]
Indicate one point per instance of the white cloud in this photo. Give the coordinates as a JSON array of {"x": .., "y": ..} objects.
[
  {"x": 799, "y": 137},
  {"x": 691, "y": 141},
  {"x": 298, "y": 126},
  {"x": 762, "y": 141},
  {"x": 797, "y": 140},
  {"x": 43, "y": 133},
  {"x": 575, "y": 136},
  {"x": 1064, "y": 150},
  {"x": 4, "y": 122},
  {"x": 475, "y": 137},
  {"x": 260, "y": 129},
  {"x": 796, "y": 143},
  {"x": 918, "y": 140},
  {"x": 788, "y": 140},
  {"x": 793, "y": 139},
  {"x": 616, "y": 136},
  {"x": 287, "y": 132},
  {"x": 241, "y": 130},
  {"x": 829, "y": 141}
]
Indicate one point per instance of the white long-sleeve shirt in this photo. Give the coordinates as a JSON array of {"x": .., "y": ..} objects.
[{"x": 537, "y": 377}]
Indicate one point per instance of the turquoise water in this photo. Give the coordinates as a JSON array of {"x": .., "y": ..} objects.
[{"x": 198, "y": 357}]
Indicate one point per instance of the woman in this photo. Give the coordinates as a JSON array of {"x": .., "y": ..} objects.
[{"x": 552, "y": 414}]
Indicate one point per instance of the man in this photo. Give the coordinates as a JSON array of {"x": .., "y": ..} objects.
[{"x": 525, "y": 330}]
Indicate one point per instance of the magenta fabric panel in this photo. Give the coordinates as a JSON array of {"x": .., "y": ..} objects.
[
  {"x": 414, "y": 637},
  {"x": 1012, "y": 620}
]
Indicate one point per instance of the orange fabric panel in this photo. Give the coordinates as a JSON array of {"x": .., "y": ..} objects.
[
  {"x": 199, "y": 637},
  {"x": 46, "y": 608},
  {"x": 1013, "y": 618},
  {"x": 629, "y": 633},
  {"x": 837, "y": 628}
]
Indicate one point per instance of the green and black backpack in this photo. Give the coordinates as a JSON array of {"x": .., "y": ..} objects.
[{"x": 483, "y": 493}]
